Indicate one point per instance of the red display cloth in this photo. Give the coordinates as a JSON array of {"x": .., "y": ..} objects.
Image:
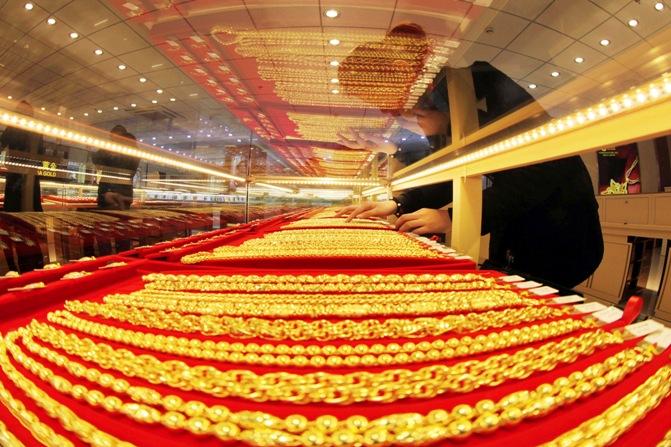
[
  {"x": 51, "y": 275},
  {"x": 20, "y": 308}
]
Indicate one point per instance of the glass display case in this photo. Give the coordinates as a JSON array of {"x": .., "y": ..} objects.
[{"x": 335, "y": 222}]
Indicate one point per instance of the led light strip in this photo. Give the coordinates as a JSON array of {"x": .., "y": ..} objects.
[
  {"x": 645, "y": 95},
  {"x": 34, "y": 125},
  {"x": 325, "y": 181}
]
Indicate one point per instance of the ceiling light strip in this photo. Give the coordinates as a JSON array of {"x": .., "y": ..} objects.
[
  {"x": 636, "y": 98},
  {"x": 17, "y": 120}
]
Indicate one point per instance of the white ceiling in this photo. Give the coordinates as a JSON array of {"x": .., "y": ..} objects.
[{"x": 526, "y": 39}]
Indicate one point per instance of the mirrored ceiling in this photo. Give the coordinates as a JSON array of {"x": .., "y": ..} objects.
[{"x": 318, "y": 86}]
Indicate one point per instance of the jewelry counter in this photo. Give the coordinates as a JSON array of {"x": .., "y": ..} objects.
[{"x": 164, "y": 353}]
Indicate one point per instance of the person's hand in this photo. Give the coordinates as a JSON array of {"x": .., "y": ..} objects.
[
  {"x": 114, "y": 200},
  {"x": 355, "y": 139},
  {"x": 424, "y": 221},
  {"x": 368, "y": 209}
]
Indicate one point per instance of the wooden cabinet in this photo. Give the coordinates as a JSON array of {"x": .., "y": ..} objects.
[
  {"x": 662, "y": 210},
  {"x": 608, "y": 280},
  {"x": 663, "y": 310},
  {"x": 627, "y": 210}
]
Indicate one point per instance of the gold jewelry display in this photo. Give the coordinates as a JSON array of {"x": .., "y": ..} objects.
[
  {"x": 337, "y": 222},
  {"x": 323, "y": 330},
  {"x": 322, "y": 283},
  {"x": 666, "y": 442},
  {"x": 319, "y": 356},
  {"x": 602, "y": 430},
  {"x": 258, "y": 428},
  {"x": 342, "y": 389},
  {"x": 75, "y": 275},
  {"x": 67, "y": 418},
  {"x": 325, "y": 305},
  {"x": 344, "y": 242},
  {"x": 7, "y": 438}
]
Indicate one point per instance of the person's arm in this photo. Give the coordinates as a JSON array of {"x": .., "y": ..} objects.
[
  {"x": 430, "y": 196},
  {"x": 516, "y": 192}
]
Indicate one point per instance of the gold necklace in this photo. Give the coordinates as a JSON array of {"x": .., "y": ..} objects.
[
  {"x": 42, "y": 432},
  {"x": 387, "y": 386},
  {"x": 465, "y": 303},
  {"x": 258, "y": 428},
  {"x": 603, "y": 429},
  {"x": 319, "y": 356},
  {"x": 323, "y": 330}
]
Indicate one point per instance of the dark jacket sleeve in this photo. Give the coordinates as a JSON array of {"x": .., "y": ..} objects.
[{"x": 430, "y": 196}]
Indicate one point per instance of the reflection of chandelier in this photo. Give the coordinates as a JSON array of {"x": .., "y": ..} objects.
[
  {"x": 372, "y": 70},
  {"x": 318, "y": 127}
]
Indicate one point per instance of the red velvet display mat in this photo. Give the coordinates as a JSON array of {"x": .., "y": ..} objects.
[{"x": 19, "y": 308}]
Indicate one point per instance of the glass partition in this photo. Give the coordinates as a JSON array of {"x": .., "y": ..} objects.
[{"x": 114, "y": 111}]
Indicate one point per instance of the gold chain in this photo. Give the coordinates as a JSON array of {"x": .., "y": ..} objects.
[
  {"x": 309, "y": 284},
  {"x": 387, "y": 386},
  {"x": 328, "y": 355},
  {"x": 603, "y": 429},
  {"x": 464, "y": 302},
  {"x": 68, "y": 419},
  {"x": 262, "y": 429},
  {"x": 323, "y": 330},
  {"x": 7, "y": 438},
  {"x": 666, "y": 442}
]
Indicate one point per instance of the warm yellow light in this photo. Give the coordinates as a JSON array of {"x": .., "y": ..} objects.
[{"x": 331, "y": 13}]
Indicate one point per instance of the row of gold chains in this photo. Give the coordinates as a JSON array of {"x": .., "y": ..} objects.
[
  {"x": 324, "y": 355},
  {"x": 41, "y": 431},
  {"x": 322, "y": 330},
  {"x": 318, "y": 283},
  {"x": 314, "y": 308},
  {"x": 263, "y": 429},
  {"x": 605, "y": 428},
  {"x": 321, "y": 387},
  {"x": 321, "y": 243}
]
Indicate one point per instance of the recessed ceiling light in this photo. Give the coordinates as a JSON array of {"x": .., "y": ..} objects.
[
  {"x": 72, "y": 117},
  {"x": 188, "y": 136},
  {"x": 159, "y": 91},
  {"x": 10, "y": 97},
  {"x": 86, "y": 113},
  {"x": 659, "y": 6},
  {"x": 43, "y": 108},
  {"x": 579, "y": 60},
  {"x": 170, "y": 137},
  {"x": 532, "y": 86},
  {"x": 331, "y": 13},
  {"x": 633, "y": 23},
  {"x": 208, "y": 135},
  {"x": 604, "y": 42},
  {"x": 172, "y": 100},
  {"x": 334, "y": 80},
  {"x": 193, "y": 94},
  {"x": 121, "y": 67},
  {"x": 29, "y": 6},
  {"x": 334, "y": 63},
  {"x": 115, "y": 108},
  {"x": 153, "y": 138},
  {"x": 51, "y": 21},
  {"x": 133, "y": 105},
  {"x": 74, "y": 35},
  {"x": 98, "y": 52},
  {"x": 230, "y": 134},
  {"x": 335, "y": 91},
  {"x": 154, "y": 101},
  {"x": 59, "y": 114},
  {"x": 334, "y": 42},
  {"x": 143, "y": 80},
  {"x": 100, "y": 111},
  {"x": 554, "y": 74}
]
